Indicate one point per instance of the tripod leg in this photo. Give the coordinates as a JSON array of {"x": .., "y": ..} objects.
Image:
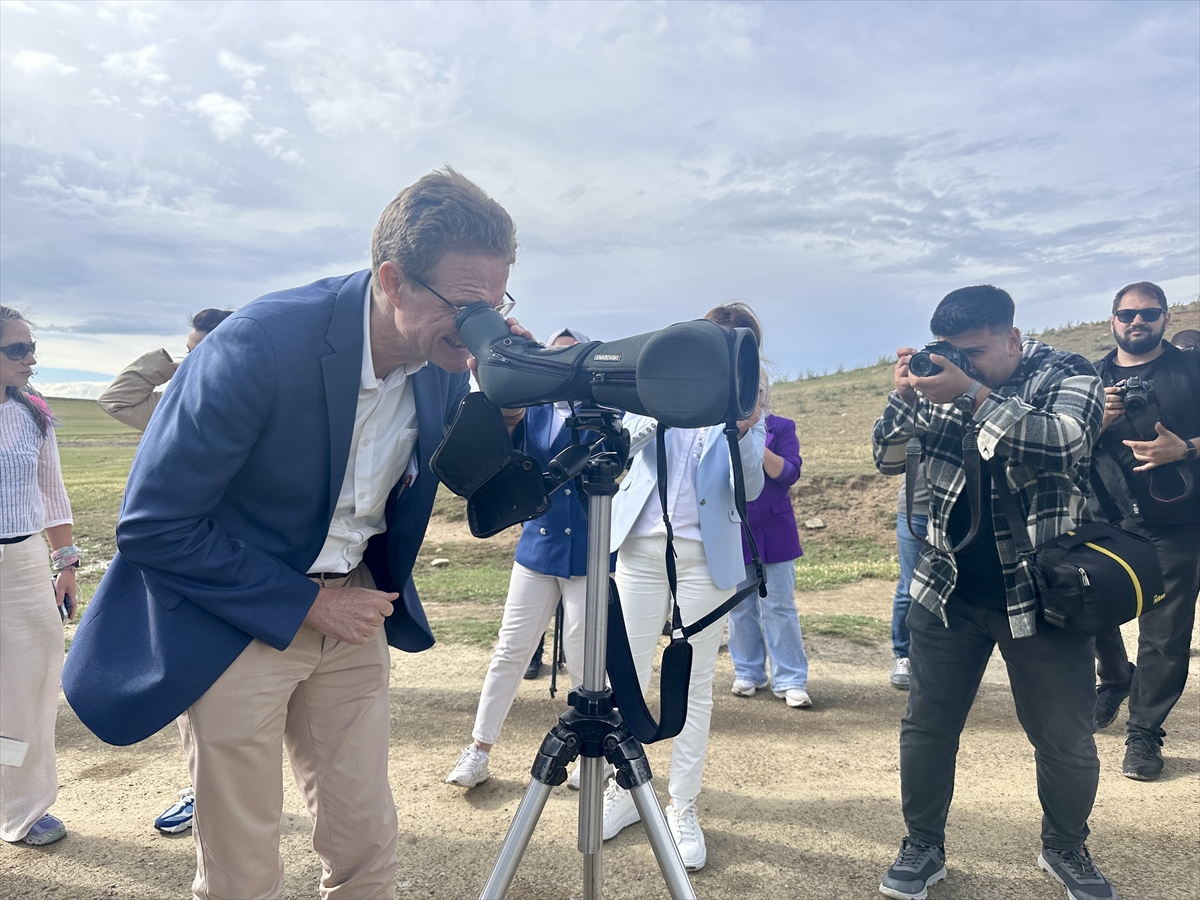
[
  {"x": 516, "y": 840},
  {"x": 670, "y": 863},
  {"x": 591, "y": 825}
]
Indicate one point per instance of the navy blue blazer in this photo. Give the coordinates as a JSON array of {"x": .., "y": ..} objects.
[
  {"x": 555, "y": 543},
  {"x": 229, "y": 502}
]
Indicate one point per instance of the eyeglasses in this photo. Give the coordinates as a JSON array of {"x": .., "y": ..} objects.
[
  {"x": 504, "y": 308},
  {"x": 17, "y": 351},
  {"x": 1126, "y": 316}
]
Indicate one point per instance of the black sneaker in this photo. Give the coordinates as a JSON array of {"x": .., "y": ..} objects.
[
  {"x": 917, "y": 866},
  {"x": 1143, "y": 757},
  {"x": 535, "y": 669},
  {"x": 1109, "y": 698},
  {"x": 1075, "y": 870}
]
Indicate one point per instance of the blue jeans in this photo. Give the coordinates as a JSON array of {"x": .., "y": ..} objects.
[
  {"x": 762, "y": 626},
  {"x": 909, "y": 551}
]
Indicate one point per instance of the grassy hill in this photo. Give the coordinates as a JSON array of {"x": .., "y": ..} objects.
[{"x": 834, "y": 415}]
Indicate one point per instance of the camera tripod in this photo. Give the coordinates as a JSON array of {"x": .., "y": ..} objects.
[{"x": 592, "y": 728}]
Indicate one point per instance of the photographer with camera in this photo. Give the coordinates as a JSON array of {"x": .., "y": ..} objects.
[
  {"x": 709, "y": 564},
  {"x": 1151, "y": 423},
  {"x": 982, "y": 391}
]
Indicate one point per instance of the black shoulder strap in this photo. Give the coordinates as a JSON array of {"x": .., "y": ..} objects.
[
  {"x": 973, "y": 488},
  {"x": 1008, "y": 505}
]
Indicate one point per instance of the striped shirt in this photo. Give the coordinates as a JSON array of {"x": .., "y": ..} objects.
[
  {"x": 1043, "y": 422},
  {"x": 32, "y": 496}
]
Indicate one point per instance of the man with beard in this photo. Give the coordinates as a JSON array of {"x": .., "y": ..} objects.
[{"x": 1147, "y": 462}]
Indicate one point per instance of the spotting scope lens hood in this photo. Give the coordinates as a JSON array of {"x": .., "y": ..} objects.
[{"x": 688, "y": 375}]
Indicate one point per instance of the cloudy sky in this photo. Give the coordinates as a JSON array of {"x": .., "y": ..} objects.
[{"x": 841, "y": 166}]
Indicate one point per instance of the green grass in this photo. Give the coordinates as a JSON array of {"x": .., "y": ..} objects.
[
  {"x": 467, "y": 630},
  {"x": 858, "y": 629},
  {"x": 829, "y": 562}
]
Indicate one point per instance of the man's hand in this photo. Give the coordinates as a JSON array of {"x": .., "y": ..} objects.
[
  {"x": 1167, "y": 448},
  {"x": 1114, "y": 406},
  {"x": 512, "y": 417},
  {"x": 943, "y": 387},
  {"x": 903, "y": 386},
  {"x": 350, "y": 614}
]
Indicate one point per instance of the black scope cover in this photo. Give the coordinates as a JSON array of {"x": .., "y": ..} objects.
[{"x": 688, "y": 375}]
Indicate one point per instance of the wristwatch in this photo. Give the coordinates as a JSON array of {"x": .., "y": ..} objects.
[
  {"x": 966, "y": 400},
  {"x": 1191, "y": 452}
]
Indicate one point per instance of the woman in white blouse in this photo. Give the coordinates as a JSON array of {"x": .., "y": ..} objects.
[
  {"x": 32, "y": 606},
  {"x": 708, "y": 560}
]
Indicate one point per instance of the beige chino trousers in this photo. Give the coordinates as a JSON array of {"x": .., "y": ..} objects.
[{"x": 326, "y": 701}]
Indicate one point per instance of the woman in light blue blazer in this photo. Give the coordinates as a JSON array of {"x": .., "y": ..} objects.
[{"x": 709, "y": 564}]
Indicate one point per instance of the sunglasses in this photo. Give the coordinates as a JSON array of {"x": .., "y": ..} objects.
[
  {"x": 1126, "y": 316},
  {"x": 18, "y": 351},
  {"x": 504, "y": 308}
]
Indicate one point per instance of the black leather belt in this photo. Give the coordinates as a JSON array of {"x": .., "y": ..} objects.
[
  {"x": 327, "y": 576},
  {"x": 16, "y": 540}
]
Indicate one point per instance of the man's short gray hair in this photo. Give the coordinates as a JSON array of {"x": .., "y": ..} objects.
[{"x": 440, "y": 213}]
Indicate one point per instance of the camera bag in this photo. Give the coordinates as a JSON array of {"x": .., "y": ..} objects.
[{"x": 1090, "y": 579}]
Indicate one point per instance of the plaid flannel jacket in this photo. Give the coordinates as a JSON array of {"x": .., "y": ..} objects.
[{"x": 1043, "y": 421}]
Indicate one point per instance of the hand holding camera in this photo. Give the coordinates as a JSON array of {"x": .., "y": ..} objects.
[{"x": 936, "y": 372}]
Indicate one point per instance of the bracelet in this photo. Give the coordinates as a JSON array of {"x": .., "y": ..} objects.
[{"x": 65, "y": 558}]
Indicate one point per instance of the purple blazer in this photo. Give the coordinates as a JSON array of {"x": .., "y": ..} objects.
[{"x": 771, "y": 518}]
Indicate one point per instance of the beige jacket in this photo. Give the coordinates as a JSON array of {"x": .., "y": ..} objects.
[{"x": 131, "y": 397}]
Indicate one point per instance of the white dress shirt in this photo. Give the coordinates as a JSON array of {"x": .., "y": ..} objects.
[
  {"x": 685, "y": 446},
  {"x": 385, "y": 432},
  {"x": 32, "y": 496}
]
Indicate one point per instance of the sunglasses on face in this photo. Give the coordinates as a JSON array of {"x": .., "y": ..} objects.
[
  {"x": 1126, "y": 316},
  {"x": 18, "y": 351}
]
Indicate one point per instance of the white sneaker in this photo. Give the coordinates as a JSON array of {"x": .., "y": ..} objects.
[
  {"x": 744, "y": 688},
  {"x": 471, "y": 768},
  {"x": 901, "y": 674},
  {"x": 685, "y": 828},
  {"x": 577, "y": 773},
  {"x": 619, "y": 810},
  {"x": 797, "y": 698}
]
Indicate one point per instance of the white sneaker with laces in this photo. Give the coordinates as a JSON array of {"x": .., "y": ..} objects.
[
  {"x": 901, "y": 674},
  {"x": 619, "y": 810},
  {"x": 744, "y": 688},
  {"x": 577, "y": 774},
  {"x": 797, "y": 698},
  {"x": 684, "y": 823},
  {"x": 471, "y": 768}
]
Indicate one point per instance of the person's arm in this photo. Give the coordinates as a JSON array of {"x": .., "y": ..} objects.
[
  {"x": 750, "y": 447},
  {"x": 210, "y": 424},
  {"x": 1055, "y": 432},
  {"x": 1166, "y": 448},
  {"x": 901, "y": 416},
  {"x": 782, "y": 464},
  {"x": 58, "y": 516},
  {"x": 131, "y": 397}
]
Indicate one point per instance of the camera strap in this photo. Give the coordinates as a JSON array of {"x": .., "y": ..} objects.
[
  {"x": 971, "y": 471},
  {"x": 676, "y": 670}
]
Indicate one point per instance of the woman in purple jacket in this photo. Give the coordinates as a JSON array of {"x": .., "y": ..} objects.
[{"x": 769, "y": 626}]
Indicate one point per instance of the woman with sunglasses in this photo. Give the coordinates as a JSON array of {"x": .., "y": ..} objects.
[{"x": 33, "y": 604}]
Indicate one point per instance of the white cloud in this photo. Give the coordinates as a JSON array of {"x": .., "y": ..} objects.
[
  {"x": 231, "y": 62},
  {"x": 225, "y": 115},
  {"x": 34, "y": 61},
  {"x": 16, "y": 6},
  {"x": 272, "y": 141},
  {"x": 136, "y": 65}
]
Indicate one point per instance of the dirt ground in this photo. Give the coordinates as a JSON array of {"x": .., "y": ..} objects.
[{"x": 796, "y": 804}]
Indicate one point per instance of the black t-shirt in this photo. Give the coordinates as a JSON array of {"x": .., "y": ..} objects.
[
  {"x": 1175, "y": 383},
  {"x": 980, "y": 575}
]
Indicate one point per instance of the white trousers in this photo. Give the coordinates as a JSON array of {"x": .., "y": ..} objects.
[
  {"x": 31, "y": 661},
  {"x": 646, "y": 603},
  {"x": 532, "y": 599}
]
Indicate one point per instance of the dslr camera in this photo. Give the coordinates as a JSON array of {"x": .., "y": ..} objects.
[
  {"x": 1137, "y": 393},
  {"x": 922, "y": 366}
]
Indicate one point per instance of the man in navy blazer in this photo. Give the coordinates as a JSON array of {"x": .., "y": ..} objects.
[{"x": 269, "y": 528}]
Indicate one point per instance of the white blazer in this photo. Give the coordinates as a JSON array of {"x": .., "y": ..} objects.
[{"x": 720, "y": 525}]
